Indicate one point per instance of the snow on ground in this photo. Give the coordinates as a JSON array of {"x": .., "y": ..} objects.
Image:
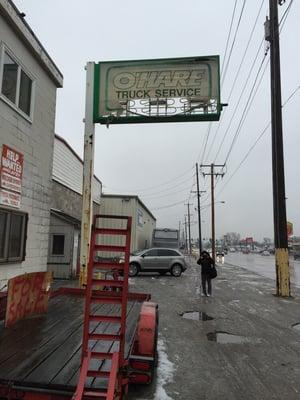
[{"x": 165, "y": 372}]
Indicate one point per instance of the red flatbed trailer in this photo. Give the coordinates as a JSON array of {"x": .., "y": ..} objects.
[{"x": 43, "y": 357}]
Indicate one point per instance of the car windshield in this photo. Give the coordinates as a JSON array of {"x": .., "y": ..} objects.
[{"x": 137, "y": 252}]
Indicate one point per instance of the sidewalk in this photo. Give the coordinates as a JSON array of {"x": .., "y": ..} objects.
[{"x": 259, "y": 359}]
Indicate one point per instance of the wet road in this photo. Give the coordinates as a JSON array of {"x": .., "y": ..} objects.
[
  {"x": 242, "y": 343},
  {"x": 263, "y": 265}
]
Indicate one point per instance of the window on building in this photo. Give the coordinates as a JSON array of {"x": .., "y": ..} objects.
[
  {"x": 13, "y": 229},
  {"x": 58, "y": 245},
  {"x": 16, "y": 85}
]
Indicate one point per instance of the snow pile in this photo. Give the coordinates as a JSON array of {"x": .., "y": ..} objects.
[{"x": 165, "y": 372}]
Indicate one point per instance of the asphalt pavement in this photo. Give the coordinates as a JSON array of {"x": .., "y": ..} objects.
[
  {"x": 264, "y": 265},
  {"x": 243, "y": 343}
]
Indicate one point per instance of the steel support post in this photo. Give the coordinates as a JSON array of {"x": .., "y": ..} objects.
[{"x": 88, "y": 173}]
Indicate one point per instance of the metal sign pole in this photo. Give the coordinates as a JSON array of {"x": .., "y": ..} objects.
[{"x": 88, "y": 173}]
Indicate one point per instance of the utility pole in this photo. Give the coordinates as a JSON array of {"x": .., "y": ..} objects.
[
  {"x": 185, "y": 234},
  {"x": 199, "y": 210},
  {"x": 189, "y": 225},
  {"x": 212, "y": 174},
  {"x": 279, "y": 205}
]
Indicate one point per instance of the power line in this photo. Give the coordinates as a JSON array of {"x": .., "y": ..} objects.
[
  {"x": 229, "y": 35},
  {"x": 227, "y": 64},
  {"x": 237, "y": 75},
  {"x": 249, "y": 100},
  {"x": 285, "y": 15},
  {"x": 291, "y": 95},
  {"x": 151, "y": 194},
  {"x": 206, "y": 141},
  {"x": 256, "y": 142},
  {"x": 233, "y": 42},
  {"x": 155, "y": 186},
  {"x": 245, "y": 157},
  {"x": 164, "y": 195},
  {"x": 170, "y": 205},
  {"x": 239, "y": 100},
  {"x": 246, "y": 108}
]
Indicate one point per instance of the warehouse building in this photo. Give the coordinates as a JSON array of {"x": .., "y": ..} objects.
[
  {"x": 28, "y": 84},
  {"x": 143, "y": 221}
]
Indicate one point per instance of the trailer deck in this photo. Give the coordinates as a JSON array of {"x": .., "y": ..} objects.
[{"x": 44, "y": 352}]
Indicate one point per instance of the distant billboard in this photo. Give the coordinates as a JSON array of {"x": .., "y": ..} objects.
[
  {"x": 163, "y": 90},
  {"x": 290, "y": 228}
]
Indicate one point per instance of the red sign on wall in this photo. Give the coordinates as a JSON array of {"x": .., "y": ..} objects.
[
  {"x": 27, "y": 294},
  {"x": 11, "y": 169}
]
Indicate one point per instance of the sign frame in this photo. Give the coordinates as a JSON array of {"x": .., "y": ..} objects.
[{"x": 179, "y": 117}]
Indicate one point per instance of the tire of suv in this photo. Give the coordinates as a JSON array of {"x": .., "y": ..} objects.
[
  {"x": 134, "y": 269},
  {"x": 176, "y": 270}
]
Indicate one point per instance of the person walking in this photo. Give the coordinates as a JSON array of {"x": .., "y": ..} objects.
[{"x": 207, "y": 264}]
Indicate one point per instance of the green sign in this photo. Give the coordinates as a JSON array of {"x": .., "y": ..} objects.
[{"x": 163, "y": 90}]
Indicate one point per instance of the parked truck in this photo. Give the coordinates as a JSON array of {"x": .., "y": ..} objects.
[{"x": 165, "y": 237}]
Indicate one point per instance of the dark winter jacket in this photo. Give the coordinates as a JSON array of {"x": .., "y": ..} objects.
[{"x": 206, "y": 264}]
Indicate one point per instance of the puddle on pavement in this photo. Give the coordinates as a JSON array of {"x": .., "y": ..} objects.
[
  {"x": 196, "y": 316},
  {"x": 226, "y": 338},
  {"x": 296, "y": 327}
]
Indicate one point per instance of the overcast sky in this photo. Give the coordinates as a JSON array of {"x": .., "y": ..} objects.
[{"x": 157, "y": 161}]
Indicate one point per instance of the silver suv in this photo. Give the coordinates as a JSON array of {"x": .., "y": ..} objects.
[{"x": 161, "y": 260}]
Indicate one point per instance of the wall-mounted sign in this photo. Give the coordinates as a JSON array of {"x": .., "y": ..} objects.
[
  {"x": 11, "y": 169},
  {"x": 27, "y": 294},
  {"x": 11, "y": 172},
  {"x": 163, "y": 90},
  {"x": 10, "y": 199}
]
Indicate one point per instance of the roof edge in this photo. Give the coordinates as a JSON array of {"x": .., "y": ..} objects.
[
  {"x": 130, "y": 196},
  {"x": 10, "y": 11}
]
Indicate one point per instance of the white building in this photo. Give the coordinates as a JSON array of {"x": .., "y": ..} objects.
[
  {"x": 66, "y": 208},
  {"x": 28, "y": 84}
]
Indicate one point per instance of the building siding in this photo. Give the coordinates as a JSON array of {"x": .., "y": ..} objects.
[
  {"x": 35, "y": 141},
  {"x": 68, "y": 169}
]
